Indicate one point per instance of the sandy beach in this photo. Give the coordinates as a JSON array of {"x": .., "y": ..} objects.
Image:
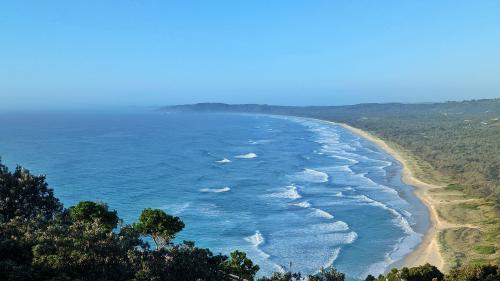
[{"x": 428, "y": 250}]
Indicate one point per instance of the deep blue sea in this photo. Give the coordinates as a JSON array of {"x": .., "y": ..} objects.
[{"x": 282, "y": 189}]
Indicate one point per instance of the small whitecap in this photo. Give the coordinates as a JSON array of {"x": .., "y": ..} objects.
[
  {"x": 247, "y": 156},
  {"x": 225, "y": 160},
  {"x": 216, "y": 190}
]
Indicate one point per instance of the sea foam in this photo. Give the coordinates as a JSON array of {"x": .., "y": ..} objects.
[
  {"x": 216, "y": 190},
  {"x": 331, "y": 259},
  {"x": 290, "y": 193},
  {"x": 225, "y": 160},
  {"x": 399, "y": 219},
  {"x": 246, "y": 156},
  {"x": 304, "y": 204},
  {"x": 329, "y": 227},
  {"x": 256, "y": 240},
  {"x": 321, "y": 213},
  {"x": 310, "y": 175}
]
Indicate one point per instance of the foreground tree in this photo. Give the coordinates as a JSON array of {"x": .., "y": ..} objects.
[
  {"x": 474, "y": 273},
  {"x": 27, "y": 204},
  {"x": 160, "y": 226},
  {"x": 425, "y": 272},
  {"x": 330, "y": 274},
  {"x": 240, "y": 266},
  {"x": 84, "y": 250},
  {"x": 87, "y": 211},
  {"x": 278, "y": 276},
  {"x": 26, "y": 196}
]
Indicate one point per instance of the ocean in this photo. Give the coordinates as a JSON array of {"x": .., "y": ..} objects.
[{"x": 288, "y": 191}]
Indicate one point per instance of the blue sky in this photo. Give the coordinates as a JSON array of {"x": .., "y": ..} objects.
[{"x": 115, "y": 53}]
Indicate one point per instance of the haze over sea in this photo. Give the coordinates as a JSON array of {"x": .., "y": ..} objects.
[{"x": 282, "y": 189}]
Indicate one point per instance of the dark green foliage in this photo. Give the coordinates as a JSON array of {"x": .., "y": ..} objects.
[
  {"x": 24, "y": 195},
  {"x": 370, "y": 278},
  {"x": 475, "y": 273},
  {"x": 240, "y": 266},
  {"x": 278, "y": 276},
  {"x": 15, "y": 250},
  {"x": 180, "y": 262},
  {"x": 330, "y": 274},
  {"x": 425, "y": 272},
  {"x": 431, "y": 273},
  {"x": 160, "y": 226},
  {"x": 84, "y": 250},
  {"x": 187, "y": 262},
  {"x": 87, "y": 211}
]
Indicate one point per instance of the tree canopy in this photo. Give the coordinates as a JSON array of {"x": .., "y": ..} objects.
[
  {"x": 87, "y": 211},
  {"x": 160, "y": 226}
]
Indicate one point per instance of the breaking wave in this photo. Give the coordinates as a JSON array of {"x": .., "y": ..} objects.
[
  {"x": 256, "y": 240},
  {"x": 216, "y": 190},
  {"x": 304, "y": 204},
  {"x": 310, "y": 175},
  {"x": 246, "y": 156},
  {"x": 290, "y": 193},
  {"x": 321, "y": 213}
]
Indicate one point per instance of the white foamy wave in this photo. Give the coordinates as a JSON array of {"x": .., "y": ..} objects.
[
  {"x": 329, "y": 227},
  {"x": 321, "y": 213},
  {"x": 247, "y": 156},
  {"x": 216, "y": 190},
  {"x": 407, "y": 214},
  {"x": 310, "y": 175},
  {"x": 399, "y": 250},
  {"x": 256, "y": 240},
  {"x": 331, "y": 259},
  {"x": 350, "y": 237},
  {"x": 386, "y": 163},
  {"x": 225, "y": 160},
  {"x": 399, "y": 219},
  {"x": 371, "y": 184},
  {"x": 290, "y": 193},
  {"x": 350, "y": 160},
  {"x": 304, "y": 204}
]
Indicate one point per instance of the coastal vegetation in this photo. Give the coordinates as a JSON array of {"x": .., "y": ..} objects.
[
  {"x": 41, "y": 240},
  {"x": 452, "y": 145}
]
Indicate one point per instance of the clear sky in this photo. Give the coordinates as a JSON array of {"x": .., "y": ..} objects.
[{"x": 84, "y": 53}]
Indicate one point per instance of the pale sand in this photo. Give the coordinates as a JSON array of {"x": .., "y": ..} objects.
[{"x": 428, "y": 250}]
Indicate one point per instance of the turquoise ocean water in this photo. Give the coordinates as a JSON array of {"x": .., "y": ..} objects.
[{"x": 283, "y": 189}]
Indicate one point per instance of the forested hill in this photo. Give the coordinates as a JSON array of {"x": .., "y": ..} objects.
[{"x": 459, "y": 140}]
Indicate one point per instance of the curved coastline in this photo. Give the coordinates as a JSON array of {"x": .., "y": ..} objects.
[{"x": 428, "y": 250}]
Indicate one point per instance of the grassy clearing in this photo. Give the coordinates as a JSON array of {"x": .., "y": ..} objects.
[
  {"x": 455, "y": 244},
  {"x": 464, "y": 245},
  {"x": 485, "y": 250},
  {"x": 454, "y": 187}
]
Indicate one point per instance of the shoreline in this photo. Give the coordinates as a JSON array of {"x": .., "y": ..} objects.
[{"x": 428, "y": 250}]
